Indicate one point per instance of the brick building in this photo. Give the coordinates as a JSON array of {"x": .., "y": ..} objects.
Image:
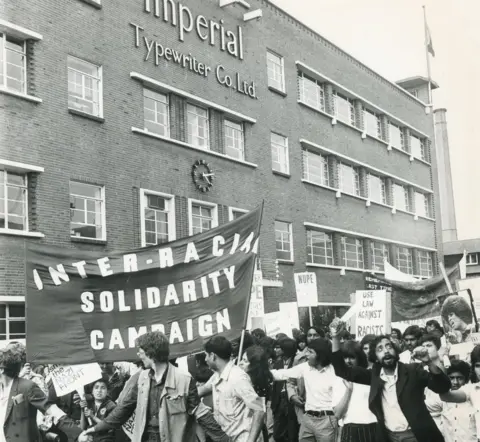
[{"x": 107, "y": 108}]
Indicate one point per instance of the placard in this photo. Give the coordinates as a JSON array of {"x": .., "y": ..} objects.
[
  {"x": 371, "y": 315},
  {"x": 289, "y": 313},
  {"x": 68, "y": 378},
  {"x": 129, "y": 426},
  {"x": 306, "y": 289},
  {"x": 273, "y": 324},
  {"x": 256, "y": 307}
]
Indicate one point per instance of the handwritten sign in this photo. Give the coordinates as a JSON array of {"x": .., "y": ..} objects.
[
  {"x": 306, "y": 288},
  {"x": 274, "y": 324},
  {"x": 129, "y": 426},
  {"x": 68, "y": 378},
  {"x": 289, "y": 312},
  {"x": 371, "y": 318},
  {"x": 256, "y": 308}
]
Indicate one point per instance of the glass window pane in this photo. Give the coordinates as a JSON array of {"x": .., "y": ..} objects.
[{"x": 16, "y": 310}]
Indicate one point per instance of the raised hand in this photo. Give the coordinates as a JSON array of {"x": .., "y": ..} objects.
[
  {"x": 336, "y": 327},
  {"x": 421, "y": 354},
  {"x": 87, "y": 412}
]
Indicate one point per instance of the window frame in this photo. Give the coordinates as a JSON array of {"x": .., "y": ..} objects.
[
  {"x": 425, "y": 204},
  {"x": 207, "y": 126},
  {"x": 172, "y": 232},
  {"x": 385, "y": 251},
  {"x": 402, "y": 146},
  {"x": 103, "y": 214},
  {"x": 383, "y": 190},
  {"x": 343, "y": 252},
  {"x": 469, "y": 261},
  {"x": 287, "y": 160},
  {"x": 26, "y": 207},
  {"x": 326, "y": 249},
  {"x": 409, "y": 260},
  {"x": 421, "y": 263},
  {"x": 167, "y": 114},
  {"x": 231, "y": 210},
  {"x": 306, "y": 173},
  {"x": 378, "y": 130},
  {"x": 422, "y": 148},
  {"x": 241, "y": 125},
  {"x": 319, "y": 88},
  {"x": 408, "y": 205},
  {"x": 290, "y": 237},
  {"x": 356, "y": 179},
  {"x": 352, "y": 120},
  {"x": 213, "y": 206},
  {"x": 100, "y": 86},
  {"x": 7, "y": 303},
  {"x": 4, "y": 37},
  {"x": 282, "y": 69}
]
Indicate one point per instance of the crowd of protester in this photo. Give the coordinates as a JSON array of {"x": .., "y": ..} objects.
[{"x": 321, "y": 385}]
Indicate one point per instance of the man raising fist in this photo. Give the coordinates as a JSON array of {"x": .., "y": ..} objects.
[{"x": 396, "y": 389}]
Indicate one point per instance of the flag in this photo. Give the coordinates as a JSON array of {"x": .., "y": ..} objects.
[{"x": 429, "y": 41}]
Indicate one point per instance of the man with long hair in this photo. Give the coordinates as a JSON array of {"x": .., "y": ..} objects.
[
  {"x": 319, "y": 422},
  {"x": 165, "y": 400},
  {"x": 397, "y": 390}
]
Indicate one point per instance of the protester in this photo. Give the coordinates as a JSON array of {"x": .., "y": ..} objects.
[
  {"x": 457, "y": 315},
  {"x": 170, "y": 402},
  {"x": 301, "y": 342},
  {"x": 319, "y": 422},
  {"x": 411, "y": 337},
  {"x": 202, "y": 376},
  {"x": 366, "y": 344},
  {"x": 397, "y": 390},
  {"x": 356, "y": 421},
  {"x": 258, "y": 334},
  {"x": 238, "y": 408},
  {"x": 248, "y": 341},
  {"x": 433, "y": 326}
]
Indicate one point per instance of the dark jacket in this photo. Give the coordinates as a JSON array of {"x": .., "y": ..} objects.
[
  {"x": 21, "y": 415},
  {"x": 411, "y": 384},
  {"x": 279, "y": 398}
]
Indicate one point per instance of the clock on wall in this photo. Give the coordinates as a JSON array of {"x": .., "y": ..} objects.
[{"x": 202, "y": 175}]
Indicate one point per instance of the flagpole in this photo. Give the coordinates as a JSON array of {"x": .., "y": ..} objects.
[{"x": 430, "y": 100}]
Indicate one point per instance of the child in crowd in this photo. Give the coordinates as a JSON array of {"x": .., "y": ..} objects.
[{"x": 102, "y": 407}]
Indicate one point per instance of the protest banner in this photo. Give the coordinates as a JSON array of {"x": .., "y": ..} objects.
[
  {"x": 256, "y": 309},
  {"x": 69, "y": 378},
  {"x": 371, "y": 313},
  {"x": 85, "y": 306},
  {"x": 306, "y": 289}
]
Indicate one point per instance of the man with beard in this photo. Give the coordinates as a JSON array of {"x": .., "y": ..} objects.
[{"x": 397, "y": 390}]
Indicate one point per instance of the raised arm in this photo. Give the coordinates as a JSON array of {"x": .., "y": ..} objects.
[
  {"x": 435, "y": 378},
  {"x": 289, "y": 373}
]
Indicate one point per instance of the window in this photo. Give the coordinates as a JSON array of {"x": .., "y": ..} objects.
[
  {"x": 13, "y": 201},
  {"x": 234, "y": 140},
  {"x": 472, "y": 259},
  {"x": 276, "y": 74},
  {"x": 13, "y": 64},
  {"x": 203, "y": 216},
  {"x": 344, "y": 109},
  {"x": 198, "y": 126},
  {"x": 349, "y": 179},
  {"x": 396, "y": 136},
  {"x": 425, "y": 263},
  {"x": 84, "y": 86},
  {"x": 380, "y": 252},
  {"x": 352, "y": 252},
  {"x": 404, "y": 260},
  {"x": 311, "y": 92},
  {"x": 319, "y": 247},
  {"x": 155, "y": 113},
  {"x": 279, "y": 146},
  {"x": 417, "y": 147},
  {"x": 157, "y": 218},
  {"x": 315, "y": 168},
  {"x": 12, "y": 321},
  {"x": 87, "y": 211},
  {"x": 422, "y": 205},
  {"x": 376, "y": 189},
  {"x": 234, "y": 213},
  {"x": 283, "y": 240},
  {"x": 371, "y": 123},
  {"x": 400, "y": 197}
]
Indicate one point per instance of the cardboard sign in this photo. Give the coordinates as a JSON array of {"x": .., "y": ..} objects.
[
  {"x": 289, "y": 313},
  {"x": 69, "y": 378},
  {"x": 371, "y": 315},
  {"x": 129, "y": 426},
  {"x": 256, "y": 308},
  {"x": 274, "y": 324},
  {"x": 306, "y": 288}
]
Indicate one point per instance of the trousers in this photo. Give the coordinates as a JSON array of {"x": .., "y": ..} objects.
[
  {"x": 318, "y": 429},
  {"x": 402, "y": 436}
]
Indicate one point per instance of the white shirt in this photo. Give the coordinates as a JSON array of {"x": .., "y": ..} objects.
[
  {"x": 394, "y": 418},
  {"x": 473, "y": 396},
  {"x": 4, "y": 395},
  {"x": 458, "y": 422},
  {"x": 357, "y": 410},
  {"x": 435, "y": 407},
  {"x": 318, "y": 384}
]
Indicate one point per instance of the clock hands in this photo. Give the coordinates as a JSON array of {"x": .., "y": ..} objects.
[{"x": 206, "y": 176}]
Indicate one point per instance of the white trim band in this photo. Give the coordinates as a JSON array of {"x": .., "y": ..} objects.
[
  {"x": 365, "y": 235},
  {"x": 11, "y": 299},
  {"x": 365, "y": 101},
  {"x": 165, "y": 87},
  {"x": 367, "y": 166},
  {"x": 15, "y": 166},
  {"x": 20, "y": 32}
]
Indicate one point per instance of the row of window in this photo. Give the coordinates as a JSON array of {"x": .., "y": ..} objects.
[
  {"x": 336, "y": 249},
  {"x": 472, "y": 259}
]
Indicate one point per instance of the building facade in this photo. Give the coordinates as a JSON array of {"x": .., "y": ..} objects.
[{"x": 128, "y": 125}]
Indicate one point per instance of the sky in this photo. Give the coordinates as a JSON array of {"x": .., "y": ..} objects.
[{"x": 388, "y": 36}]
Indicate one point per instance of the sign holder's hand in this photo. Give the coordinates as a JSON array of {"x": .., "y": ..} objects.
[{"x": 421, "y": 354}]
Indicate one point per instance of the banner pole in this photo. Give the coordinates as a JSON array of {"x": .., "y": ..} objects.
[
  {"x": 240, "y": 348},
  {"x": 310, "y": 315},
  {"x": 445, "y": 277}
]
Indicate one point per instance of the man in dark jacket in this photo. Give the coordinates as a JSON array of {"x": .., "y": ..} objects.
[{"x": 397, "y": 390}]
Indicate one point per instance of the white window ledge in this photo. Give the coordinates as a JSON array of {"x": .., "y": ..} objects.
[
  {"x": 19, "y": 32},
  {"x": 351, "y": 126},
  {"x": 194, "y": 98},
  {"x": 316, "y": 109},
  {"x": 11, "y": 299},
  {"x": 21, "y": 233},
  {"x": 409, "y": 155},
  {"x": 191, "y": 146},
  {"x": 323, "y": 186},
  {"x": 15, "y": 166},
  {"x": 4, "y": 90},
  {"x": 285, "y": 261},
  {"x": 373, "y": 137}
]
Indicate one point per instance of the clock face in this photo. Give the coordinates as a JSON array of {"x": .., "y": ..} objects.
[{"x": 202, "y": 175}]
